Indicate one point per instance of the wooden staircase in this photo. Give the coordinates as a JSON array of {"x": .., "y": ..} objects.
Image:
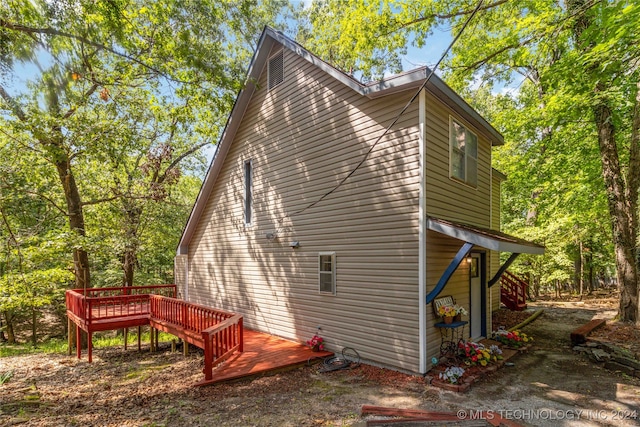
[{"x": 513, "y": 291}]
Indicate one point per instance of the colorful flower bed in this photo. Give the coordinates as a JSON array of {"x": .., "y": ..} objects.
[
  {"x": 513, "y": 339},
  {"x": 472, "y": 353}
]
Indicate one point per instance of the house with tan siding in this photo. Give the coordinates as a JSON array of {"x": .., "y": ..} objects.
[{"x": 312, "y": 217}]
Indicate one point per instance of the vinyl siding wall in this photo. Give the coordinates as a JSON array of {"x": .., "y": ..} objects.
[
  {"x": 440, "y": 251},
  {"x": 495, "y": 224},
  {"x": 302, "y": 138},
  {"x": 445, "y": 197},
  {"x": 450, "y": 199},
  {"x": 180, "y": 275}
]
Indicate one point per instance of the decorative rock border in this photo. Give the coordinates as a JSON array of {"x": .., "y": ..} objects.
[
  {"x": 610, "y": 356},
  {"x": 600, "y": 351}
]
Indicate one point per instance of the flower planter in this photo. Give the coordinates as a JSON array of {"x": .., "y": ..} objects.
[
  {"x": 447, "y": 320},
  {"x": 458, "y": 318}
]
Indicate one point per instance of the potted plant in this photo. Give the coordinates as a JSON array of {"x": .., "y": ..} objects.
[
  {"x": 448, "y": 312},
  {"x": 316, "y": 343},
  {"x": 460, "y": 311}
]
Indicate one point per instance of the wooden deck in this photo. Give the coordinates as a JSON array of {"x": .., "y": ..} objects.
[
  {"x": 263, "y": 353},
  {"x": 104, "y": 309},
  {"x": 238, "y": 351}
]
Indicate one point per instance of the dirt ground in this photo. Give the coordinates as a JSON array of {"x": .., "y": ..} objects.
[{"x": 548, "y": 385}]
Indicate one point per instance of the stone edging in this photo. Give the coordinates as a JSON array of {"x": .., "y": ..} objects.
[{"x": 610, "y": 356}]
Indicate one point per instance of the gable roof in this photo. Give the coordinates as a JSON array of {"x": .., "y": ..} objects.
[{"x": 404, "y": 81}]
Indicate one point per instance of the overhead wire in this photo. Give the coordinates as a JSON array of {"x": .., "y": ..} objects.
[{"x": 395, "y": 120}]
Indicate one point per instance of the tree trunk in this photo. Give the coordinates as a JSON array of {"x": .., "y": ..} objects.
[
  {"x": 622, "y": 194},
  {"x": 128, "y": 265},
  {"x": 576, "y": 274},
  {"x": 11, "y": 336},
  {"x": 34, "y": 327},
  {"x": 591, "y": 275},
  {"x": 130, "y": 256},
  {"x": 76, "y": 219},
  {"x": 581, "y": 271},
  {"x": 624, "y": 215}
]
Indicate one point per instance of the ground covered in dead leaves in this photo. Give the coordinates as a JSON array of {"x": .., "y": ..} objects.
[
  {"x": 624, "y": 335},
  {"x": 141, "y": 389}
]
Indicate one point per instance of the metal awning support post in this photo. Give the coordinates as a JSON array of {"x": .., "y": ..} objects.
[
  {"x": 502, "y": 269},
  {"x": 455, "y": 262}
]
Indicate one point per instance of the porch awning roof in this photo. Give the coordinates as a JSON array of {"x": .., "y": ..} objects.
[{"x": 484, "y": 237}]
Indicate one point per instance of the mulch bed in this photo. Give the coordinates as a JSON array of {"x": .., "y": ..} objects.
[{"x": 508, "y": 319}]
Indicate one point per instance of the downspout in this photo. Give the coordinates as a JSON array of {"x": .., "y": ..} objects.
[{"x": 422, "y": 234}]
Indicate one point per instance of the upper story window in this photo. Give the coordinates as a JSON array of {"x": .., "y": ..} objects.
[
  {"x": 248, "y": 192},
  {"x": 463, "y": 153},
  {"x": 276, "y": 69},
  {"x": 327, "y": 272}
]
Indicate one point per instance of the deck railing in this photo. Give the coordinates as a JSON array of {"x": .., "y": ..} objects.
[
  {"x": 107, "y": 303},
  {"x": 190, "y": 316},
  {"x": 102, "y": 308},
  {"x": 221, "y": 330},
  {"x": 222, "y": 341},
  {"x": 166, "y": 290}
]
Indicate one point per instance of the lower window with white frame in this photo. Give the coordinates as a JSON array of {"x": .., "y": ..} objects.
[{"x": 327, "y": 272}]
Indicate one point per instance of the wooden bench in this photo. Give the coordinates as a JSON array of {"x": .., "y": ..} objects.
[
  {"x": 219, "y": 333},
  {"x": 579, "y": 335}
]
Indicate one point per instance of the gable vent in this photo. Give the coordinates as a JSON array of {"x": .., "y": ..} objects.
[{"x": 276, "y": 69}]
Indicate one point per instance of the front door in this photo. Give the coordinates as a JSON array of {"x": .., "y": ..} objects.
[{"x": 476, "y": 310}]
